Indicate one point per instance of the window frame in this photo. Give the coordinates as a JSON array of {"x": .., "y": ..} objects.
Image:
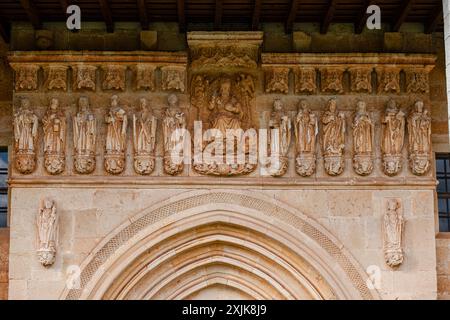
[{"x": 443, "y": 195}]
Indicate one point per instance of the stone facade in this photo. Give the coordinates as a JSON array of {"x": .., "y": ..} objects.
[{"x": 337, "y": 228}]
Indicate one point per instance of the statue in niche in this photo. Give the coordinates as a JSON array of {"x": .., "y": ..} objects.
[
  {"x": 84, "y": 138},
  {"x": 306, "y": 130},
  {"x": 54, "y": 125},
  {"x": 47, "y": 232},
  {"x": 363, "y": 132},
  {"x": 144, "y": 139},
  {"x": 116, "y": 134},
  {"x": 393, "y": 225},
  {"x": 393, "y": 139},
  {"x": 419, "y": 130},
  {"x": 279, "y": 139},
  {"x": 333, "y": 139},
  {"x": 25, "y": 138},
  {"x": 174, "y": 131}
]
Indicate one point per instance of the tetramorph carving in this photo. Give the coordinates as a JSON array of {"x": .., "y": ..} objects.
[
  {"x": 306, "y": 130},
  {"x": 54, "y": 125},
  {"x": 393, "y": 139},
  {"x": 305, "y": 80},
  {"x": 332, "y": 79},
  {"x": 144, "y": 139},
  {"x": 363, "y": 133},
  {"x": 84, "y": 138},
  {"x": 417, "y": 80},
  {"x": 388, "y": 80},
  {"x": 84, "y": 77},
  {"x": 116, "y": 121},
  {"x": 145, "y": 77},
  {"x": 277, "y": 79},
  {"x": 279, "y": 140},
  {"x": 25, "y": 138},
  {"x": 56, "y": 77},
  {"x": 174, "y": 133},
  {"x": 419, "y": 131},
  {"x": 361, "y": 79},
  {"x": 393, "y": 225},
  {"x": 173, "y": 78},
  {"x": 333, "y": 139},
  {"x": 26, "y": 77},
  {"x": 47, "y": 232},
  {"x": 114, "y": 77}
]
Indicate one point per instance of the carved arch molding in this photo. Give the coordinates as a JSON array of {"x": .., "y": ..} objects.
[{"x": 244, "y": 243}]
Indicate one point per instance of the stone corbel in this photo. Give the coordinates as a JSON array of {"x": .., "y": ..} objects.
[
  {"x": 417, "y": 80},
  {"x": 305, "y": 80},
  {"x": 276, "y": 79},
  {"x": 145, "y": 77},
  {"x": 388, "y": 79},
  {"x": 26, "y": 76},
  {"x": 56, "y": 77},
  {"x": 361, "y": 79},
  {"x": 173, "y": 78},
  {"x": 332, "y": 79},
  {"x": 114, "y": 77},
  {"x": 84, "y": 77}
]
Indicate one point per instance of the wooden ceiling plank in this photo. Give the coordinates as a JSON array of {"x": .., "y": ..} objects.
[
  {"x": 107, "y": 15},
  {"x": 181, "y": 10},
  {"x": 328, "y": 16},
  {"x": 218, "y": 12},
  {"x": 32, "y": 13},
  {"x": 291, "y": 16},
  {"x": 256, "y": 14},
  {"x": 143, "y": 16},
  {"x": 5, "y": 31},
  {"x": 431, "y": 26},
  {"x": 404, "y": 11}
]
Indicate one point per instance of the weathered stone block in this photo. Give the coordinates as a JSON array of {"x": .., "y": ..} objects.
[
  {"x": 301, "y": 41},
  {"x": 149, "y": 40},
  {"x": 393, "y": 41}
]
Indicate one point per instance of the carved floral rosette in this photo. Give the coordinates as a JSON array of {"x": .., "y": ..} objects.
[
  {"x": 420, "y": 164},
  {"x": 54, "y": 163},
  {"x": 171, "y": 167},
  {"x": 392, "y": 164},
  {"x": 363, "y": 164},
  {"x": 334, "y": 164},
  {"x": 114, "y": 162},
  {"x": 84, "y": 163},
  {"x": 305, "y": 164},
  {"x": 25, "y": 161},
  {"x": 144, "y": 164}
]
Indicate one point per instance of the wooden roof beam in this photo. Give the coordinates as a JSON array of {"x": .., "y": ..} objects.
[
  {"x": 64, "y": 5},
  {"x": 181, "y": 10},
  {"x": 218, "y": 15},
  {"x": 256, "y": 14},
  {"x": 5, "y": 31},
  {"x": 107, "y": 15},
  {"x": 143, "y": 16},
  {"x": 404, "y": 11},
  {"x": 32, "y": 13},
  {"x": 328, "y": 16},
  {"x": 291, "y": 16},
  {"x": 362, "y": 18},
  {"x": 435, "y": 19}
]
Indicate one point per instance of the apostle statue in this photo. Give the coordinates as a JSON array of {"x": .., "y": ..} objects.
[
  {"x": 419, "y": 130},
  {"x": 25, "y": 137},
  {"x": 393, "y": 138},
  {"x": 47, "y": 232},
  {"x": 144, "y": 138},
  {"x": 363, "y": 132},
  {"x": 174, "y": 131},
  {"x": 54, "y": 125},
  {"x": 306, "y": 130},
  {"x": 116, "y": 121}
]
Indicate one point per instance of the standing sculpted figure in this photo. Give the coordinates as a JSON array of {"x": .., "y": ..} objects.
[
  {"x": 54, "y": 125},
  {"x": 393, "y": 139},
  {"x": 25, "y": 137},
  {"x": 393, "y": 224},
  {"x": 174, "y": 131},
  {"x": 279, "y": 139},
  {"x": 144, "y": 139},
  {"x": 47, "y": 232},
  {"x": 363, "y": 132},
  {"x": 419, "y": 130},
  {"x": 84, "y": 137},
  {"x": 333, "y": 139},
  {"x": 306, "y": 130},
  {"x": 116, "y": 133}
]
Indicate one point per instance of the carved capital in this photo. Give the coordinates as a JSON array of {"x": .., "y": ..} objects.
[
  {"x": 305, "y": 80},
  {"x": 26, "y": 76},
  {"x": 417, "y": 80},
  {"x": 277, "y": 79},
  {"x": 388, "y": 80},
  {"x": 361, "y": 79},
  {"x": 332, "y": 79},
  {"x": 84, "y": 77},
  {"x": 173, "y": 78},
  {"x": 145, "y": 77},
  {"x": 114, "y": 77},
  {"x": 56, "y": 77}
]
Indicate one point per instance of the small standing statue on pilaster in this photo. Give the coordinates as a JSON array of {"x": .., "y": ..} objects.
[
  {"x": 116, "y": 135},
  {"x": 393, "y": 225},
  {"x": 144, "y": 139},
  {"x": 363, "y": 132},
  {"x": 47, "y": 232},
  {"x": 84, "y": 138},
  {"x": 393, "y": 139},
  {"x": 54, "y": 125},
  {"x": 419, "y": 130},
  {"x": 306, "y": 131}
]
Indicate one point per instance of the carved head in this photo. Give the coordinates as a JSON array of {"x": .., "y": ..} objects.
[
  {"x": 302, "y": 105},
  {"x": 172, "y": 99},
  {"x": 225, "y": 87},
  {"x": 47, "y": 203},
  {"x": 392, "y": 205},
  {"x": 391, "y": 106},
  {"x": 114, "y": 101},
  {"x": 143, "y": 104},
  {"x": 332, "y": 105},
  {"x": 277, "y": 105},
  {"x": 25, "y": 104},
  {"x": 361, "y": 106},
  {"x": 54, "y": 104},
  {"x": 419, "y": 106},
  {"x": 83, "y": 103}
]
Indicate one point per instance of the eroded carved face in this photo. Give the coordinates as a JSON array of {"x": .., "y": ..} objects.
[
  {"x": 54, "y": 104},
  {"x": 419, "y": 106},
  {"x": 172, "y": 100},
  {"x": 83, "y": 103},
  {"x": 392, "y": 205},
  {"x": 332, "y": 105},
  {"x": 25, "y": 104},
  {"x": 278, "y": 105},
  {"x": 114, "y": 101},
  {"x": 144, "y": 104},
  {"x": 361, "y": 107}
]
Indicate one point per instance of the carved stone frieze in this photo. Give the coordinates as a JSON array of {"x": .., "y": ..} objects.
[
  {"x": 393, "y": 136},
  {"x": 306, "y": 130},
  {"x": 393, "y": 227},
  {"x": 305, "y": 80},
  {"x": 388, "y": 80},
  {"x": 363, "y": 134},
  {"x": 55, "y": 129},
  {"x": 114, "y": 77},
  {"x": 419, "y": 130},
  {"x": 173, "y": 78},
  {"x": 277, "y": 80},
  {"x": 332, "y": 79},
  {"x": 417, "y": 80},
  {"x": 84, "y": 77},
  {"x": 84, "y": 138},
  {"x": 145, "y": 77},
  {"x": 47, "y": 232},
  {"x": 116, "y": 121},
  {"x": 26, "y": 76},
  {"x": 361, "y": 79}
]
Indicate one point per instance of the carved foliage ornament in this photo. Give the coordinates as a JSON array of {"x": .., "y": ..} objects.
[
  {"x": 244, "y": 56},
  {"x": 114, "y": 77},
  {"x": 332, "y": 79},
  {"x": 56, "y": 77},
  {"x": 173, "y": 78},
  {"x": 306, "y": 130},
  {"x": 388, "y": 80},
  {"x": 84, "y": 138},
  {"x": 361, "y": 79},
  {"x": 26, "y": 77},
  {"x": 145, "y": 77},
  {"x": 417, "y": 80},
  {"x": 277, "y": 79},
  {"x": 393, "y": 225},
  {"x": 47, "y": 232},
  {"x": 84, "y": 77},
  {"x": 305, "y": 80}
]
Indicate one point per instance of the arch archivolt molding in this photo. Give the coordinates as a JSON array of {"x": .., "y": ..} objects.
[{"x": 244, "y": 240}]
